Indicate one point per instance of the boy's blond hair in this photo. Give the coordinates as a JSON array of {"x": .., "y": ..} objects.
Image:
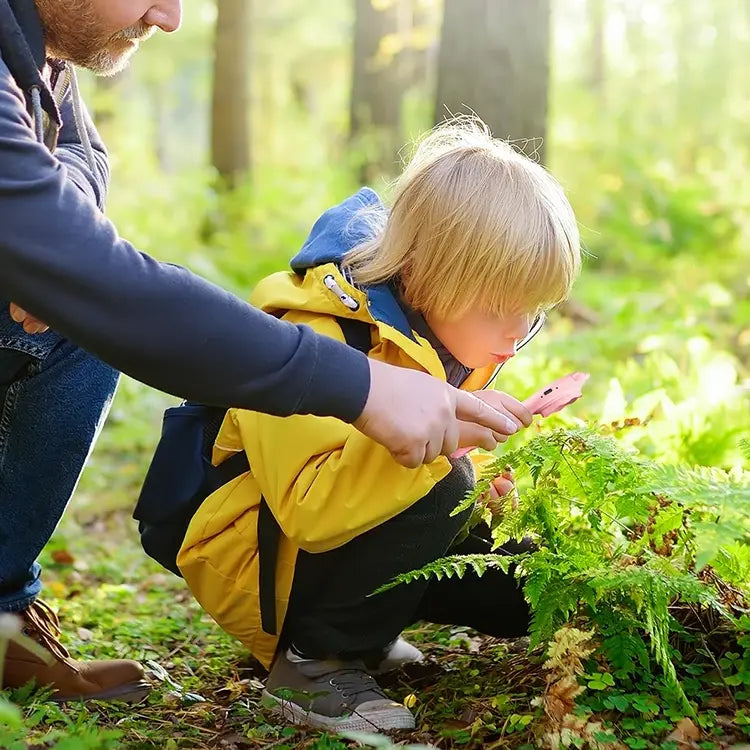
[{"x": 473, "y": 223}]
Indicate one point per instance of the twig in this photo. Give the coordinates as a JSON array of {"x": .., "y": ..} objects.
[{"x": 720, "y": 671}]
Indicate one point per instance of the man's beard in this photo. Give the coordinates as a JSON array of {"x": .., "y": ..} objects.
[{"x": 72, "y": 32}]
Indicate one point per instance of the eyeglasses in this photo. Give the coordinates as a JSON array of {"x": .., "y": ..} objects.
[{"x": 536, "y": 326}]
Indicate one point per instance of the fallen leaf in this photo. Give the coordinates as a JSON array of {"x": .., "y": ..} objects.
[
  {"x": 57, "y": 589},
  {"x": 684, "y": 734},
  {"x": 63, "y": 557}
]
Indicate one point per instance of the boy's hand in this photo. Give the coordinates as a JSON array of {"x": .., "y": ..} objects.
[
  {"x": 29, "y": 322},
  {"x": 418, "y": 417},
  {"x": 503, "y": 402},
  {"x": 500, "y": 488}
]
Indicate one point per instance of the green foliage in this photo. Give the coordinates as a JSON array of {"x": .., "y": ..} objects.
[
  {"x": 54, "y": 728},
  {"x": 617, "y": 538},
  {"x": 448, "y": 567}
]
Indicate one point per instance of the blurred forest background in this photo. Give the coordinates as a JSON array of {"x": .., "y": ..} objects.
[{"x": 229, "y": 138}]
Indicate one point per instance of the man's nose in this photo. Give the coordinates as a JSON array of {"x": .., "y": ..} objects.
[{"x": 167, "y": 15}]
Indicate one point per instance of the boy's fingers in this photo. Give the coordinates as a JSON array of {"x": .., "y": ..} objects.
[
  {"x": 503, "y": 486},
  {"x": 494, "y": 418},
  {"x": 510, "y": 405}
]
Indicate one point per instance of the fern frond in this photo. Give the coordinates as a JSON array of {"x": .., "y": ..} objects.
[
  {"x": 454, "y": 565},
  {"x": 745, "y": 448},
  {"x": 700, "y": 486}
]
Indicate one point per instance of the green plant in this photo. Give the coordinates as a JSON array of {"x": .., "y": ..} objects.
[{"x": 616, "y": 547}]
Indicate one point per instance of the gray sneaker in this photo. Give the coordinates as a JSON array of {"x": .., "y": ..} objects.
[{"x": 337, "y": 695}]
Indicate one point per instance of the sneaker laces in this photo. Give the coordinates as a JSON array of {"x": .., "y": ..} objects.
[
  {"x": 353, "y": 682},
  {"x": 41, "y": 624}
]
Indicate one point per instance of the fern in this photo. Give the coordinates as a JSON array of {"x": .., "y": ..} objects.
[
  {"x": 719, "y": 503},
  {"x": 702, "y": 487},
  {"x": 616, "y": 537},
  {"x": 745, "y": 449},
  {"x": 454, "y": 565}
]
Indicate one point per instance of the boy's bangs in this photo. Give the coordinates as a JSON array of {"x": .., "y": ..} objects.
[{"x": 526, "y": 288}]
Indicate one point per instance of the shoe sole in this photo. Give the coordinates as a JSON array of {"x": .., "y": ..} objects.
[
  {"x": 375, "y": 721},
  {"x": 133, "y": 693}
]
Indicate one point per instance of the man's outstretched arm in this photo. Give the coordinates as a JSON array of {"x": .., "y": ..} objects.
[{"x": 61, "y": 260}]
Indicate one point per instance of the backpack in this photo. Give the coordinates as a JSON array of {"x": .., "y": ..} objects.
[{"x": 181, "y": 476}]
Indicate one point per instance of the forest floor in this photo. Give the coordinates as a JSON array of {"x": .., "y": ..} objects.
[{"x": 472, "y": 691}]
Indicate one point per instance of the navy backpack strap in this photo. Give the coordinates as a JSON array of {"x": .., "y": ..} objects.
[
  {"x": 356, "y": 334},
  {"x": 269, "y": 534}
]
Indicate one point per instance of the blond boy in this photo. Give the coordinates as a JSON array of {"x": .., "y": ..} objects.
[{"x": 451, "y": 279}]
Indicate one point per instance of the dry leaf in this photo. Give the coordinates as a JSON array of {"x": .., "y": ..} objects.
[
  {"x": 63, "y": 557},
  {"x": 685, "y": 734},
  {"x": 560, "y": 698}
]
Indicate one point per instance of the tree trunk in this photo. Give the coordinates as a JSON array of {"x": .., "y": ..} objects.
[
  {"x": 230, "y": 114},
  {"x": 597, "y": 25},
  {"x": 494, "y": 61},
  {"x": 378, "y": 80},
  {"x": 421, "y": 55}
]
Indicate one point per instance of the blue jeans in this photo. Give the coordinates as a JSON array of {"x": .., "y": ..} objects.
[{"x": 54, "y": 398}]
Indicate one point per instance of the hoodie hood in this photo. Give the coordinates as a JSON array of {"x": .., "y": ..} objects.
[
  {"x": 22, "y": 47},
  {"x": 334, "y": 234},
  {"x": 337, "y": 231}
]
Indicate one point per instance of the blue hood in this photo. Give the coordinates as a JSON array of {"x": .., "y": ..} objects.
[{"x": 334, "y": 234}]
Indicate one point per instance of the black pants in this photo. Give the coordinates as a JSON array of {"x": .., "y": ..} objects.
[{"x": 331, "y": 612}]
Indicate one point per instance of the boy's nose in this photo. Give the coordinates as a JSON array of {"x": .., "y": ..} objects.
[{"x": 166, "y": 15}]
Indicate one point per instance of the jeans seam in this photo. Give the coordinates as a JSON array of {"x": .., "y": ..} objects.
[
  {"x": 26, "y": 347},
  {"x": 11, "y": 396}
]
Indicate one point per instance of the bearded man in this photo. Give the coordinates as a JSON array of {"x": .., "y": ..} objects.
[{"x": 108, "y": 306}]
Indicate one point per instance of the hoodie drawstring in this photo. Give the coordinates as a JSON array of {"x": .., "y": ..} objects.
[
  {"x": 37, "y": 113},
  {"x": 19, "y": 58},
  {"x": 83, "y": 133}
]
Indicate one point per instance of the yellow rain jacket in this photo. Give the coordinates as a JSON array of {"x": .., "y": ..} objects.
[{"x": 316, "y": 474}]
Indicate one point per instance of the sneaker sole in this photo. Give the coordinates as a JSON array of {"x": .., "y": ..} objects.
[
  {"x": 133, "y": 693},
  {"x": 381, "y": 720}
]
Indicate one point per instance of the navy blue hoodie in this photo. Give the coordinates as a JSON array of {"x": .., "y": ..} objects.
[{"x": 62, "y": 260}]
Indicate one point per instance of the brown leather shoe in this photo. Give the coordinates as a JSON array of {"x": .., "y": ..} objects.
[{"x": 94, "y": 680}]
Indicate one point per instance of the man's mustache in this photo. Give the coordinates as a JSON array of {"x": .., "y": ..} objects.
[{"x": 137, "y": 33}]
